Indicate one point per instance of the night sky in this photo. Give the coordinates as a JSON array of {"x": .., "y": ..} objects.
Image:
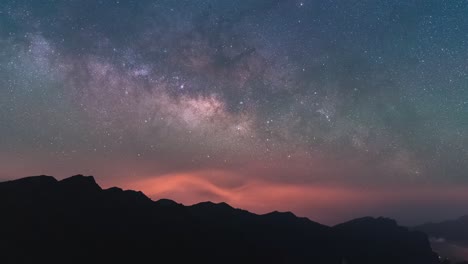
[{"x": 330, "y": 109}]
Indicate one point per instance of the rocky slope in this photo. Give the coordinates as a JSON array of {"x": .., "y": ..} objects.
[{"x": 74, "y": 220}]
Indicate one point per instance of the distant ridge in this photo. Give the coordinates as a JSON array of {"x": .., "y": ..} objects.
[
  {"x": 74, "y": 220},
  {"x": 455, "y": 230}
]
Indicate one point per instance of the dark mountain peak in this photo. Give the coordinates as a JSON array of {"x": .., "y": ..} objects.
[
  {"x": 80, "y": 183},
  {"x": 286, "y": 214},
  {"x": 283, "y": 216},
  {"x": 463, "y": 218},
  {"x": 137, "y": 195},
  {"x": 114, "y": 189},
  {"x": 205, "y": 203},
  {"x": 128, "y": 197},
  {"x": 79, "y": 178},
  {"x": 208, "y": 204},
  {"x": 167, "y": 202},
  {"x": 289, "y": 218},
  {"x": 369, "y": 222},
  {"x": 223, "y": 204},
  {"x": 218, "y": 211},
  {"x": 33, "y": 185},
  {"x": 35, "y": 180}
]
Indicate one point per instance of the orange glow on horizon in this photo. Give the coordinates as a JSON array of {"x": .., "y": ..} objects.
[{"x": 325, "y": 204}]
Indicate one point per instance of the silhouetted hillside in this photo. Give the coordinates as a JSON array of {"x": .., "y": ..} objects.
[
  {"x": 449, "y": 238},
  {"x": 366, "y": 239},
  {"x": 75, "y": 221},
  {"x": 451, "y": 230}
]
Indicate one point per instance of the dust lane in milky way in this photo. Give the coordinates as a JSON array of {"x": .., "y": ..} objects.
[{"x": 331, "y": 109}]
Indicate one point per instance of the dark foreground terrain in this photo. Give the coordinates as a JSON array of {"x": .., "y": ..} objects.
[{"x": 44, "y": 220}]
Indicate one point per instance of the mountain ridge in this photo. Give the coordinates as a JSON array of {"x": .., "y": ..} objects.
[
  {"x": 454, "y": 230},
  {"x": 114, "y": 224}
]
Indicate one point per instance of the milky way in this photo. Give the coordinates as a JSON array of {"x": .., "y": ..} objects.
[{"x": 331, "y": 109}]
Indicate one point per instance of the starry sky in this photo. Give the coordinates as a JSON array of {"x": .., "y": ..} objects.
[{"x": 332, "y": 109}]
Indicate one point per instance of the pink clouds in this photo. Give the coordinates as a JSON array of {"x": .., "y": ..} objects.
[
  {"x": 256, "y": 195},
  {"x": 323, "y": 203}
]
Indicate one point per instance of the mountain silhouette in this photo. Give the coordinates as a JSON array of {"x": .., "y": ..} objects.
[
  {"x": 74, "y": 220},
  {"x": 366, "y": 239},
  {"x": 449, "y": 238},
  {"x": 452, "y": 230}
]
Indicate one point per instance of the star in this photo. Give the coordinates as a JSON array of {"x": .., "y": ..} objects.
[{"x": 355, "y": 98}]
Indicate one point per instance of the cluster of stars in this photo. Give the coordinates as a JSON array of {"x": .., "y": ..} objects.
[{"x": 378, "y": 87}]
